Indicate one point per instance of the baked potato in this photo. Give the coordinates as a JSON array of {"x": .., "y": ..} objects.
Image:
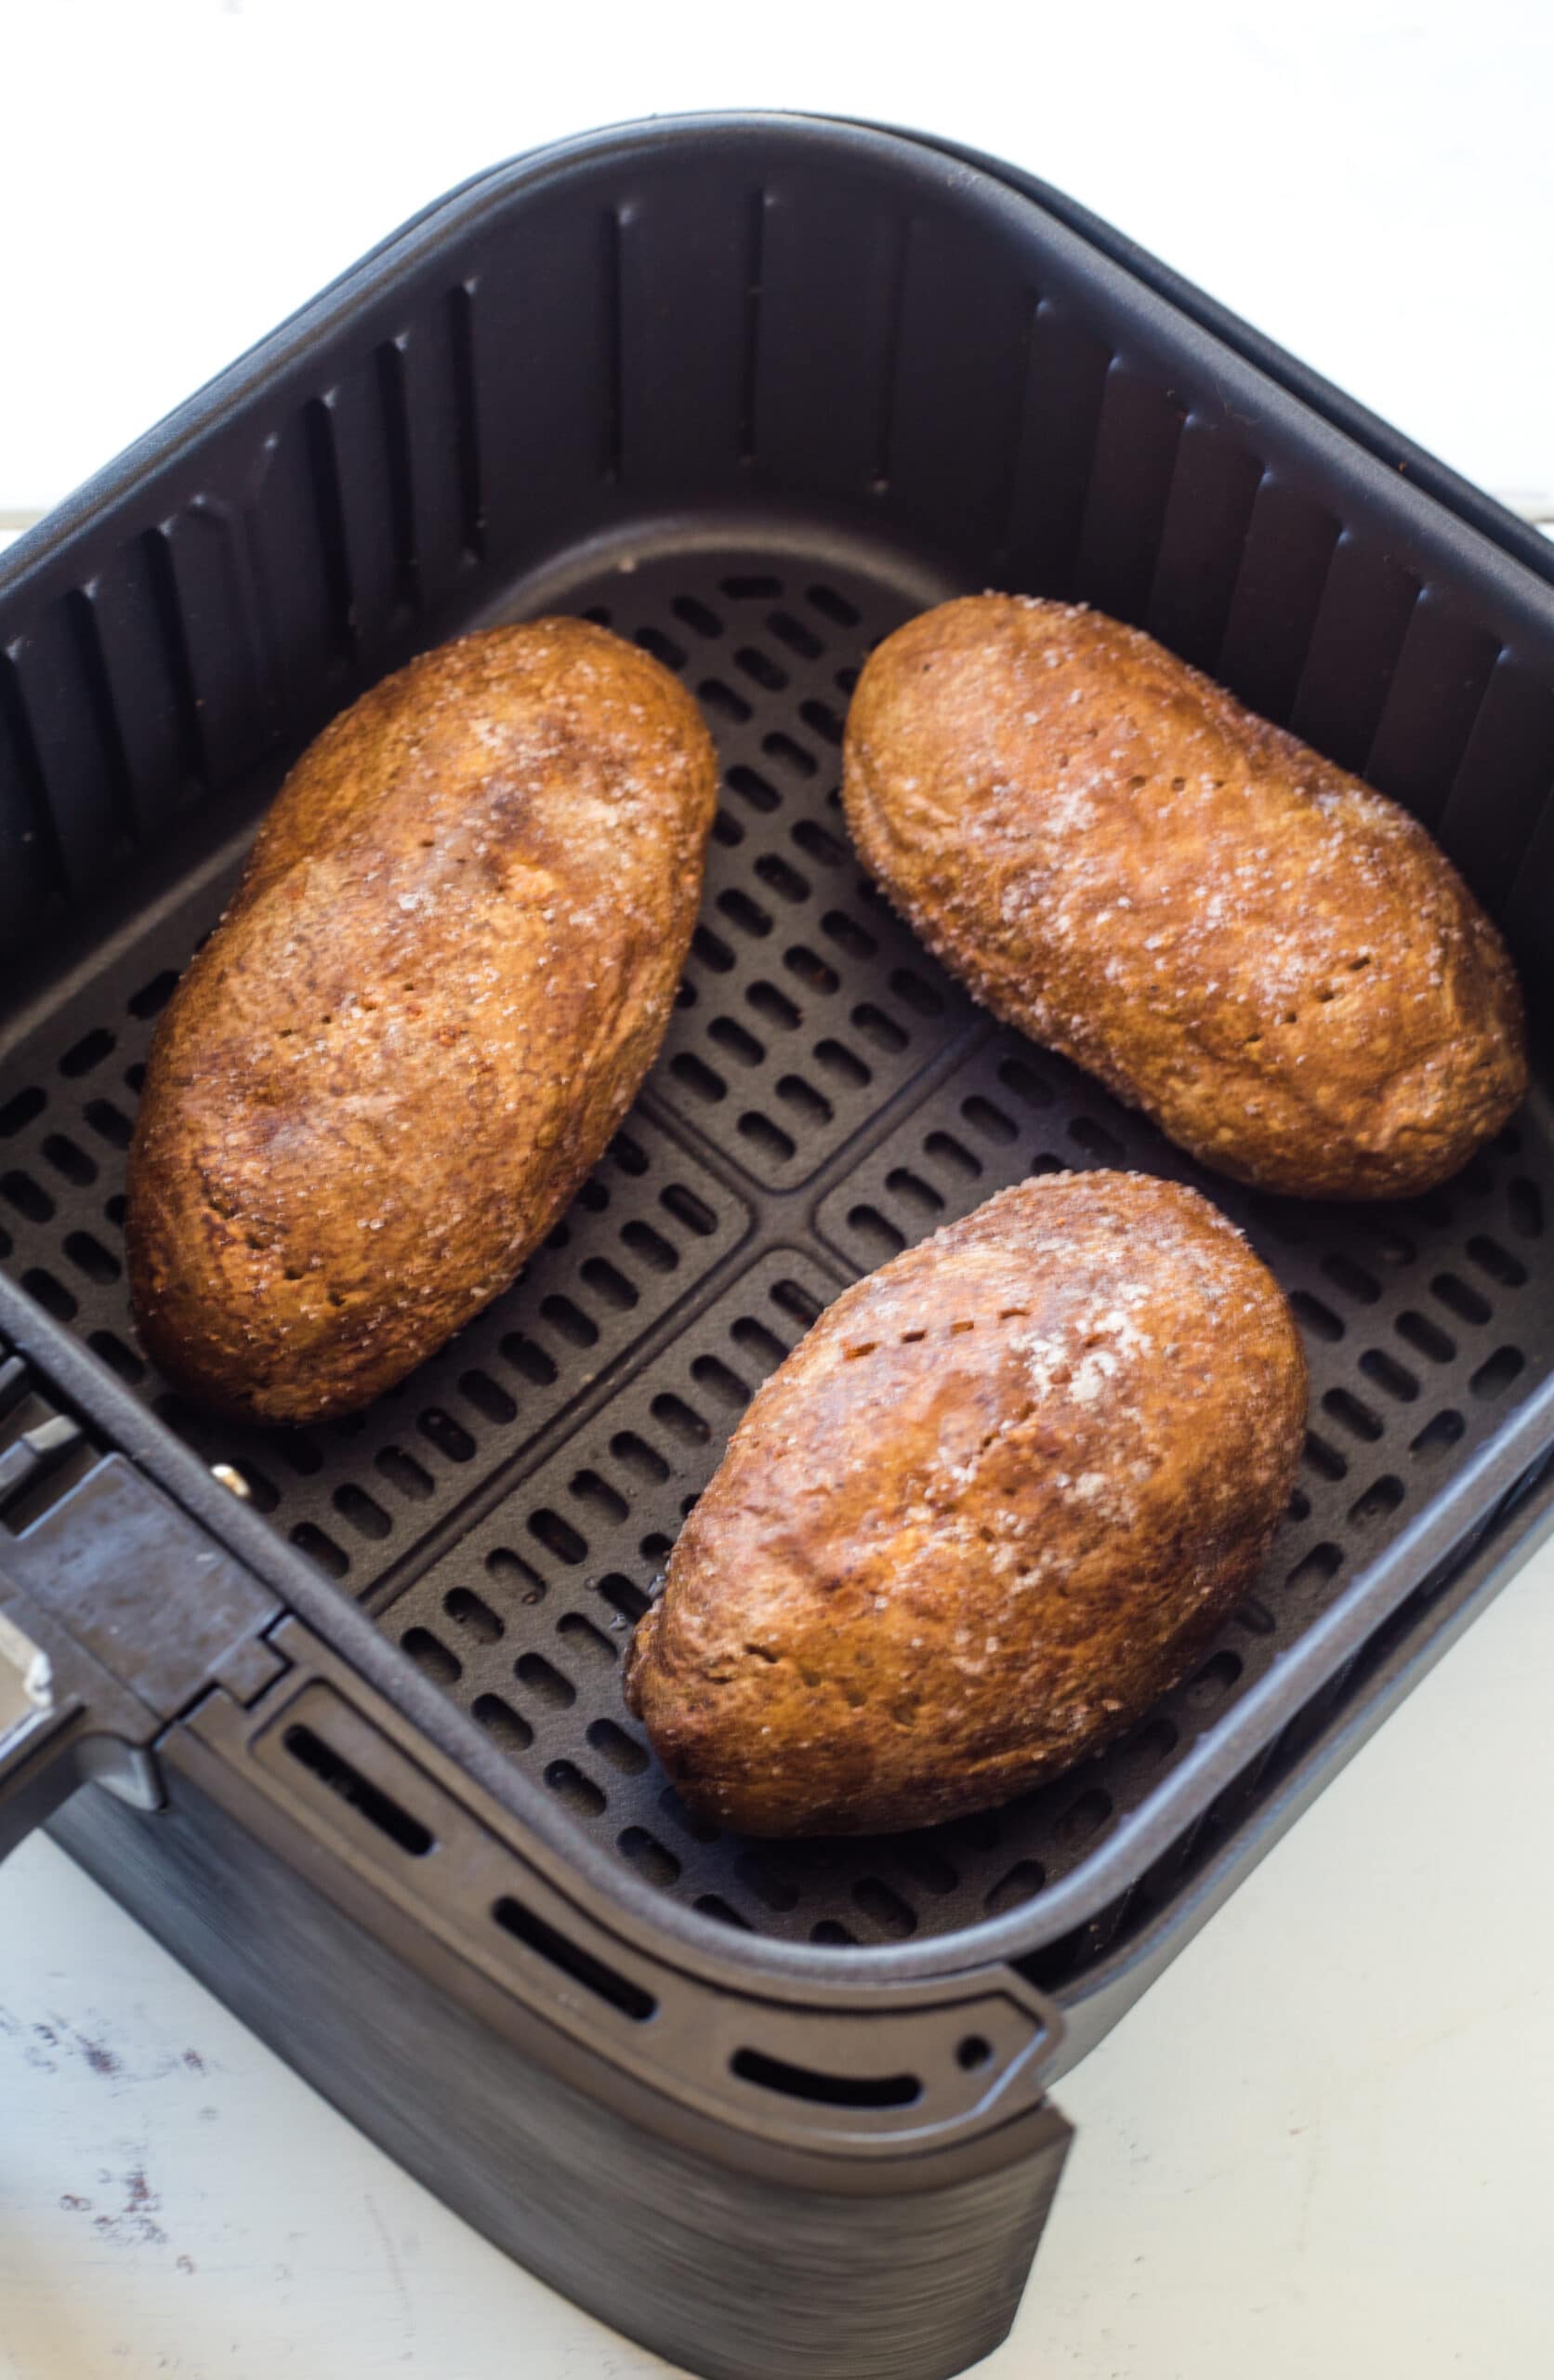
[
  {"x": 993, "y": 1504},
  {"x": 448, "y": 965},
  {"x": 1274, "y": 961}
]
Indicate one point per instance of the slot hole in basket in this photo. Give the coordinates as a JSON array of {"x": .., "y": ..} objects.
[
  {"x": 568, "y": 1321},
  {"x": 774, "y": 1144},
  {"x": 109, "y": 1122},
  {"x": 626, "y": 1600},
  {"x": 696, "y": 615},
  {"x": 808, "y": 1105},
  {"x": 649, "y": 1857},
  {"x": 1352, "y": 1414},
  {"x": 879, "y": 1239},
  {"x": 152, "y": 998},
  {"x": 622, "y": 1752},
  {"x": 514, "y": 1576},
  {"x": 791, "y": 1297},
  {"x": 546, "y": 1685},
  {"x": 525, "y": 1357},
  {"x": 882, "y": 1030},
  {"x": 836, "y": 1060},
  {"x": 847, "y": 934},
  {"x": 700, "y": 1830},
  {"x": 735, "y": 1041},
  {"x": 722, "y": 701},
  {"x": 471, "y": 1611},
  {"x": 713, "y": 1905},
  {"x": 672, "y": 1414},
  {"x": 687, "y": 1209},
  {"x": 649, "y": 1248},
  {"x": 635, "y": 1456},
  {"x": 368, "y": 1799},
  {"x": 774, "y": 1005},
  {"x": 1390, "y": 1375},
  {"x": 698, "y": 1077},
  {"x": 29, "y": 1197},
  {"x": 810, "y": 969},
  {"x": 558, "y": 1536},
  {"x": 490, "y": 1401},
  {"x": 815, "y": 840},
  {"x": 1096, "y": 1141},
  {"x": 720, "y": 1382},
  {"x": 953, "y": 1156},
  {"x": 811, "y": 2082},
  {"x": 1487, "y": 1254},
  {"x": 991, "y": 1121},
  {"x": 321, "y": 1549},
  {"x": 1458, "y": 1299},
  {"x": 752, "y": 786},
  {"x": 761, "y": 668},
  {"x": 90, "y": 1257},
  {"x": 1322, "y": 1563},
  {"x": 754, "y": 1340},
  {"x": 583, "y": 1639},
  {"x": 606, "y": 1982},
  {"x": 796, "y": 635},
  {"x": 21, "y": 1111},
  {"x": 1352, "y": 1279},
  {"x": 910, "y": 1190},
  {"x": 888, "y": 1911},
  {"x": 1383, "y": 1496},
  {"x": 1319, "y": 1319},
  {"x": 1426, "y": 1336},
  {"x": 1023, "y": 1883},
  {"x": 832, "y": 605},
  {"x": 89, "y": 1052},
  {"x": 569, "y": 1784},
  {"x": 711, "y": 950},
  {"x": 915, "y": 994},
  {"x": 117, "y": 1356},
  {"x": 502, "y": 1723},
  {"x": 364, "y": 1514},
  {"x": 76, "y": 1166},
  {"x": 441, "y": 1431},
  {"x": 431, "y": 1656},
  {"x": 786, "y": 882},
  {"x": 1438, "y": 1433},
  {"x": 1213, "y": 1682},
  {"x": 662, "y": 647},
  {"x": 1495, "y": 1376}
]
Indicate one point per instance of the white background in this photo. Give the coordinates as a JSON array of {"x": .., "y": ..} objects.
[{"x": 1322, "y": 2142}]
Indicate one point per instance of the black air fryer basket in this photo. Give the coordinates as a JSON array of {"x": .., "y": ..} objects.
[{"x": 750, "y": 391}]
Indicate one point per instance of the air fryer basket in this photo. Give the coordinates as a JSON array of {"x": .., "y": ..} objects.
[{"x": 751, "y": 391}]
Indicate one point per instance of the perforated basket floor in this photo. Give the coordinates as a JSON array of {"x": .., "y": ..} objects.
[{"x": 825, "y": 1097}]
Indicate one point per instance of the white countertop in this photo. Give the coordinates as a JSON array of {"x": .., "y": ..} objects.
[{"x": 1320, "y": 2143}]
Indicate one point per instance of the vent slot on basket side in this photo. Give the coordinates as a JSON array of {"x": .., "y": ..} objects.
[
  {"x": 605, "y": 1982},
  {"x": 821, "y": 2089},
  {"x": 370, "y": 1801}
]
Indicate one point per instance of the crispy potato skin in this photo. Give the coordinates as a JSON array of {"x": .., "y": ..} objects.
[
  {"x": 1275, "y": 962},
  {"x": 988, "y": 1510},
  {"x": 446, "y": 969}
]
